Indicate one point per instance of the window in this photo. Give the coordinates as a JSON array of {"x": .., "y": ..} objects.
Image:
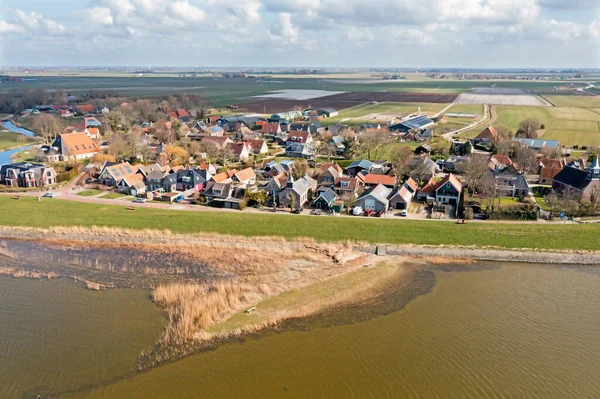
[
  {"x": 217, "y": 191},
  {"x": 344, "y": 184}
]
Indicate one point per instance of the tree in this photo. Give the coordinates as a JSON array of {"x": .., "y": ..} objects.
[
  {"x": 375, "y": 143},
  {"x": 504, "y": 132},
  {"x": 145, "y": 109},
  {"x": 163, "y": 132},
  {"x": 466, "y": 148},
  {"x": 325, "y": 148},
  {"x": 300, "y": 169},
  {"x": 474, "y": 169},
  {"x": 349, "y": 147},
  {"x": 292, "y": 202},
  {"x": 176, "y": 155},
  {"x": 101, "y": 158},
  {"x": 401, "y": 159},
  {"x": 225, "y": 154},
  {"x": 114, "y": 120},
  {"x": 47, "y": 126},
  {"x": 529, "y": 128}
]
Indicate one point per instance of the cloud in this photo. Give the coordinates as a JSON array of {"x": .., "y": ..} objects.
[
  {"x": 6, "y": 28},
  {"x": 99, "y": 15},
  {"x": 284, "y": 29},
  {"x": 37, "y": 24},
  {"x": 570, "y": 4},
  {"x": 187, "y": 12}
]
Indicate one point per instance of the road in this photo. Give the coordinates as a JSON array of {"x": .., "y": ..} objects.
[{"x": 486, "y": 117}]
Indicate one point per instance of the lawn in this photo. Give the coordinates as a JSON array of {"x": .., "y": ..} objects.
[
  {"x": 56, "y": 212},
  {"x": 12, "y": 140},
  {"x": 89, "y": 193},
  {"x": 574, "y": 101},
  {"x": 113, "y": 196},
  {"x": 467, "y": 109}
]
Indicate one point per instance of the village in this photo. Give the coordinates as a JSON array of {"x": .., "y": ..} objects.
[{"x": 293, "y": 162}]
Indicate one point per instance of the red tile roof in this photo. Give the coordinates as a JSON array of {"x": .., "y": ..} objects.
[
  {"x": 270, "y": 128},
  {"x": 245, "y": 175},
  {"x": 551, "y": 163},
  {"x": 85, "y": 108},
  {"x": 78, "y": 144},
  {"x": 412, "y": 184},
  {"x": 489, "y": 133},
  {"x": 452, "y": 180},
  {"x": 429, "y": 187},
  {"x": 182, "y": 112},
  {"x": 386, "y": 180},
  {"x": 299, "y": 136}
]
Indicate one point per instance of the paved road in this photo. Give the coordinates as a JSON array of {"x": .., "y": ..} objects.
[{"x": 486, "y": 117}]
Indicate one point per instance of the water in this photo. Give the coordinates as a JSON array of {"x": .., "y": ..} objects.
[
  {"x": 5, "y": 156},
  {"x": 516, "y": 331},
  {"x": 14, "y": 128},
  {"x": 57, "y": 336}
]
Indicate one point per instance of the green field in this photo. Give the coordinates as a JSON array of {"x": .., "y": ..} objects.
[
  {"x": 565, "y": 100},
  {"x": 363, "y": 113},
  {"x": 467, "y": 109},
  {"x": 56, "y": 212},
  {"x": 11, "y": 140},
  {"x": 113, "y": 196}
]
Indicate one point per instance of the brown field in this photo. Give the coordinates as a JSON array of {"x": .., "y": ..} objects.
[{"x": 345, "y": 100}]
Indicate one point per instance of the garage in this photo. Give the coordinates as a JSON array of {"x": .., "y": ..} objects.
[{"x": 370, "y": 204}]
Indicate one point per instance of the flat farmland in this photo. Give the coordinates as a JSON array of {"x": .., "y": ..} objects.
[
  {"x": 579, "y": 101},
  {"x": 345, "y": 100},
  {"x": 573, "y": 137},
  {"x": 499, "y": 96}
]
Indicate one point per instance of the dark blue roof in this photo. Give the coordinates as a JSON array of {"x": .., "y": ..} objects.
[{"x": 363, "y": 164}]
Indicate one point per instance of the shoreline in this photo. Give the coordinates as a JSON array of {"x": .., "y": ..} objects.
[{"x": 207, "y": 282}]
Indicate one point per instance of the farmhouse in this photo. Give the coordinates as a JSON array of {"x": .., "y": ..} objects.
[
  {"x": 488, "y": 137},
  {"x": 75, "y": 146},
  {"x": 547, "y": 169},
  {"x": 25, "y": 174},
  {"x": 538, "y": 144},
  {"x": 579, "y": 183}
]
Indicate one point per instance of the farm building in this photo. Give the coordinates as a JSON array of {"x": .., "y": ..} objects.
[
  {"x": 286, "y": 116},
  {"x": 416, "y": 123},
  {"x": 538, "y": 144}
]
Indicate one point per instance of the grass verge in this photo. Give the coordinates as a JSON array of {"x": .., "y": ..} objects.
[
  {"x": 89, "y": 193},
  {"x": 56, "y": 212}
]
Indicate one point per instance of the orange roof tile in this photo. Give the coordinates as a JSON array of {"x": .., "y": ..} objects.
[
  {"x": 372, "y": 178},
  {"x": 246, "y": 174},
  {"x": 78, "y": 144}
]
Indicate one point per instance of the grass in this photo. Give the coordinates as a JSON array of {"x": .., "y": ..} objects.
[
  {"x": 89, "y": 193},
  {"x": 113, "y": 196},
  {"x": 466, "y": 109},
  {"x": 11, "y": 140},
  {"x": 56, "y": 212},
  {"x": 574, "y": 101},
  {"x": 24, "y": 156},
  {"x": 358, "y": 113}
]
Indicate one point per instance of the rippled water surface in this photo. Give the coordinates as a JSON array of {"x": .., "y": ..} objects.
[{"x": 518, "y": 331}]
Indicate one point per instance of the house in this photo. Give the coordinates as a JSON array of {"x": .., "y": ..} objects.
[
  {"x": 327, "y": 178},
  {"x": 462, "y": 147},
  {"x": 240, "y": 151},
  {"x": 337, "y": 145},
  {"x": 423, "y": 149},
  {"x": 547, "y": 169},
  {"x": 299, "y": 150},
  {"x": 347, "y": 186},
  {"x": 213, "y": 131},
  {"x": 499, "y": 162},
  {"x": 411, "y": 185},
  {"x": 298, "y": 189},
  {"x": 73, "y": 146},
  {"x": 579, "y": 183},
  {"x": 273, "y": 128},
  {"x": 359, "y": 166},
  {"x": 92, "y": 132},
  {"x": 325, "y": 200},
  {"x": 299, "y": 137},
  {"x": 324, "y": 166},
  {"x": 25, "y": 174},
  {"x": 48, "y": 154},
  {"x": 245, "y": 176},
  {"x": 258, "y": 146},
  {"x": 85, "y": 108},
  {"x": 276, "y": 185},
  {"x": 488, "y": 137},
  {"x": 65, "y": 113},
  {"x": 223, "y": 177},
  {"x": 222, "y": 195},
  {"x": 372, "y": 179},
  {"x": 538, "y": 144},
  {"x": 374, "y": 199},
  {"x": 220, "y": 142},
  {"x": 328, "y": 112},
  {"x": 423, "y": 168},
  {"x": 447, "y": 191},
  {"x": 132, "y": 184},
  {"x": 144, "y": 170},
  {"x": 154, "y": 180},
  {"x": 112, "y": 173},
  {"x": 402, "y": 198},
  {"x": 510, "y": 183},
  {"x": 208, "y": 167},
  {"x": 189, "y": 180},
  {"x": 288, "y": 116},
  {"x": 169, "y": 183}
]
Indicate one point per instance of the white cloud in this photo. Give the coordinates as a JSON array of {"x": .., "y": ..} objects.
[
  {"x": 37, "y": 24},
  {"x": 6, "y": 28},
  {"x": 99, "y": 15},
  {"x": 284, "y": 29},
  {"x": 187, "y": 12}
]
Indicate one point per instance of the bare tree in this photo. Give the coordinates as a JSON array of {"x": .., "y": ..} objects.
[
  {"x": 176, "y": 155},
  {"x": 401, "y": 159},
  {"x": 46, "y": 126},
  {"x": 375, "y": 143},
  {"x": 163, "y": 132},
  {"x": 300, "y": 169},
  {"x": 529, "y": 128},
  {"x": 474, "y": 169}
]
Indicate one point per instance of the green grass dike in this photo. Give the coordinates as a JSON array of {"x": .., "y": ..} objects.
[{"x": 55, "y": 212}]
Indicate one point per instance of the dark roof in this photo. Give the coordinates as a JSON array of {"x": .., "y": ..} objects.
[
  {"x": 572, "y": 177},
  {"x": 328, "y": 196},
  {"x": 190, "y": 177},
  {"x": 417, "y": 122}
]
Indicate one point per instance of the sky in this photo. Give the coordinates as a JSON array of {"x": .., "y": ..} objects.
[{"x": 301, "y": 33}]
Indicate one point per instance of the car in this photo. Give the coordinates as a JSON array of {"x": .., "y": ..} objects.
[
  {"x": 88, "y": 180},
  {"x": 48, "y": 195},
  {"x": 315, "y": 212},
  {"x": 296, "y": 211},
  {"x": 139, "y": 200},
  {"x": 379, "y": 214},
  {"x": 357, "y": 211},
  {"x": 403, "y": 212},
  {"x": 368, "y": 212}
]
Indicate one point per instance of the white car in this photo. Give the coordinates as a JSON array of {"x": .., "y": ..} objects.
[
  {"x": 139, "y": 200},
  {"x": 48, "y": 195},
  {"x": 403, "y": 212},
  {"x": 357, "y": 211}
]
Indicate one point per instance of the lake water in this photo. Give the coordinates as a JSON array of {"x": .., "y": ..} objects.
[
  {"x": 5, "y": 156},
  {"x": 517, "y": 331}
]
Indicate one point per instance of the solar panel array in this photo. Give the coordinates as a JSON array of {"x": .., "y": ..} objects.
[{"x": 417, "y": 122}]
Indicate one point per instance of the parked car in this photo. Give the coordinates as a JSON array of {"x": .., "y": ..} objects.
[
  {"x": 88, "y": 180},
  {"x": 357, "y": 211},
  {"x": 368, "y": 212},
  {"x": 315, "y": 212},
  {"x": 403, "y": 212},
  {"x": 379, "y": 214},
  {"x": 139, "y": 200},
  {"x": 48, "y": 195},
  {"x": 296, "y": 211}
]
